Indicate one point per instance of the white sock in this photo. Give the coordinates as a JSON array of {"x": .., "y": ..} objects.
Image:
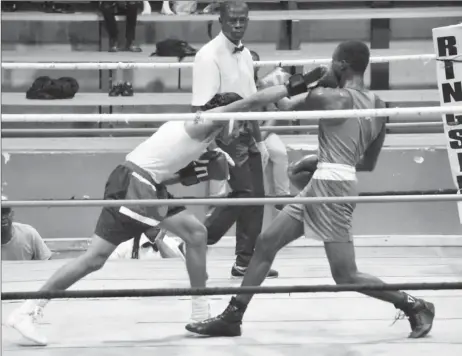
[
  {"x": 200, "y": 307},
  {"x": 31, "y": 304}
]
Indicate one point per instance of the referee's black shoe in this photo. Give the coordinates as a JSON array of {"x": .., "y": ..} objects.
[{"x": 239, "y": 272}]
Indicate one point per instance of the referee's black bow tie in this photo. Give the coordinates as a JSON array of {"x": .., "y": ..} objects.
[{"x": 238, "y": 49}]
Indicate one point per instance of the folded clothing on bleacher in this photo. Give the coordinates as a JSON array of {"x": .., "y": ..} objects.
[
  {"x": 46, "y": 88},
  {"x": 173, "y": 47}
]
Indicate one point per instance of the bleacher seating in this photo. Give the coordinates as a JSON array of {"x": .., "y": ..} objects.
[
  {"x": 280, "y": 15},
  {"x": 409, "y": 83}
]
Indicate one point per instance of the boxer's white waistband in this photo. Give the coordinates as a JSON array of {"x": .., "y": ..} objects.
[{"x": 335, "y": 171}]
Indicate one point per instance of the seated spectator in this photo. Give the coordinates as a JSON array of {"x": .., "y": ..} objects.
[
  {"x": 178, "y": 7},
  {"x": 110, "y": 9},
  {"x": 21, "y": 242},
  {"x": 152, "y": 245}
]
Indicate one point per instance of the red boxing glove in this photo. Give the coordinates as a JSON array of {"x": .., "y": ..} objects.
[
  {"x": 301, "y": 172},
  {"x": 329, "y": 80},
  {"x": 313, "y": 77}
]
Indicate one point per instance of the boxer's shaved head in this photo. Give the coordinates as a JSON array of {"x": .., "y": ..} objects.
[{"x": 354, "y": 55}]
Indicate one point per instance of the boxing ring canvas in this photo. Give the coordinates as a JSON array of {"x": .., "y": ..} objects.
[{"x": 322, "y": 324}]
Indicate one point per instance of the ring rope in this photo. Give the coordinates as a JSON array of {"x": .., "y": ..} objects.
[
  {"x": 362, "y": 194},
  {"x": 153, "y": 65},
  {"x": 231, "y": 202},
  {"x": 171, "y": 292},
  {"x": 250, "y": 116},
  {"x": 125, "y": 130}
]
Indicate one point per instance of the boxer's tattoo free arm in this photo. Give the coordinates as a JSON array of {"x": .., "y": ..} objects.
[
  {"x": 201, "y": 128},
  {"x": 371, "y": 156},
  {"x": 255, "y": 101},
  {"x": 290, "y": 104}
]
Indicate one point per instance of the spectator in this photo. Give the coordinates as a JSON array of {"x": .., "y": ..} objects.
[
  {"x": 276, "y": 148},
  {"x": 110, "y": 9},
  {"x": 152, "y": 245},
  {"x": 225, "y": 65},
  {"x": 21, "y": 242},
  {"x": 178, "y": 7}
]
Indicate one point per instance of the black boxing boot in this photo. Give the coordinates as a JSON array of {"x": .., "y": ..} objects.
[
  {"x": 227, "y": 323},
  {"x": 419, "y": 313}
]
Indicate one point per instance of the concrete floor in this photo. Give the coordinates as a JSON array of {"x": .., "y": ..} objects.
[{"x": 320, "y": 324}]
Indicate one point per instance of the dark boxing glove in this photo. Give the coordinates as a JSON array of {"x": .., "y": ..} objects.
[
  {"x": 296, "y": 85},
  {"x": 301, "y": 172},
  {"x": 299, "y": 84},
  {"x": 313, "y": 77},
  {"x": 329, "y": 80},
  {"x": 210, "y": 166}
]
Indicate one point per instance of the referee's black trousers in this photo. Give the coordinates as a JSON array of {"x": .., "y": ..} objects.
[{"x": 246, "y": 180}]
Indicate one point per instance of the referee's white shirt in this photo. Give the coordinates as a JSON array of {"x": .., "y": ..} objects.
[{"x": 218, "y": 70}]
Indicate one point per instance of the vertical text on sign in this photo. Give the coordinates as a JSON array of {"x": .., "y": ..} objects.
[{"x": 448, "y": 47}]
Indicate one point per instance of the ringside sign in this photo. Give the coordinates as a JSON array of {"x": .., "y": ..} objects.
[{"x": 447, "y": 42}]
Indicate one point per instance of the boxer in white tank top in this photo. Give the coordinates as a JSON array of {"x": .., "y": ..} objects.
[
  {"x": 148, "y": 166},
  {"x": 345, "y": 145},
  {"x": 168, "y": 150}
]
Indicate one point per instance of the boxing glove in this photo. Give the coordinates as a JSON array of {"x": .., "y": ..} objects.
[
  {"x": 299, "y": 84},
  {"x": 296, "y": 85},
  {"x": 301, "y": 172},
  {"x": 211, "y": 165},
  {"x": 329, "y": 80}
]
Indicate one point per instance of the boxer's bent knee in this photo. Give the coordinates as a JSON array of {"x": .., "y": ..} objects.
[
  {"x": 266, "y": 245},
  {"x": 97, "y": 254},
  {"x": 198, "y": 236},
  {"x": 187, "y": 227}
]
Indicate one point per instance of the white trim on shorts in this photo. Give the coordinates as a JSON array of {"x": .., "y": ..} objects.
[
  {"x": 143, "y": 180},
  {"x": 335, "y": 171},
  {"x": 135, "y": 216}
]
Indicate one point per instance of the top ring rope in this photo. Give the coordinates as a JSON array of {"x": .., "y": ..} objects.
[
  {"x": 251, "y": 116},
  {"x": 232, "y": 201},
  {"x": 153, "y": 65}
]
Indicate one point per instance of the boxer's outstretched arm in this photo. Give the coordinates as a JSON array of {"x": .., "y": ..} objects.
[
  {"x": 255, "y": 101},
  {"x": 290, "y": 104}
]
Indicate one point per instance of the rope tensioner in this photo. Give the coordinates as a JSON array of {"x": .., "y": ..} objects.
[
  {"x": 279, "y": 115},
  {"x": 171, "y": 292},
  {"x": 233, "y": 202},
  {"x": 176, "y": 65}
]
